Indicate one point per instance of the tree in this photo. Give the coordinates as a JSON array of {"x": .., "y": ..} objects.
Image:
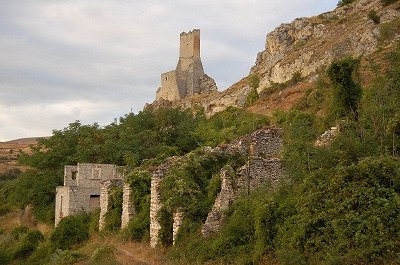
[{"x": 346, "y": 92}]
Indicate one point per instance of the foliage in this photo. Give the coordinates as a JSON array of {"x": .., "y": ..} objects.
[
  {"x": 252, "y": 97},
  {"x": 104, "y": 255},
  {"x": 227, "y": 125},
  {"x": 70, "y": 231},
  {"x": 191, "y": 186},
  {"x": 113, "y": 215},
  {"x": 35, "y": 188},
  {"x": 346, "y": 93},
  {"x": 345, "y": 2},
  {"x": 19, "y": 244},
  {"x": 341, "y": 205},
  {"x": 254, "y": 82},
  {"x": 138, "y": 227},
  {"x": 374, "y": 16}
]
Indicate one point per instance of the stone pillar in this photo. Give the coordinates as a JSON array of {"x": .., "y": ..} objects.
[
  {"x": 226, "y": 196},
  {"x": 105, "y": 188},
  {"x": 155, "y": 207},
  {"x": 104, "y": 201},
  {"x": 178, "y": 220},
  {"x": 128, "y": 209}
]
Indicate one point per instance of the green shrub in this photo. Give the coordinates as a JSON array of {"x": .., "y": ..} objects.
[
  {"x": 374, "y": 16},
  {"x": 104, "y": 255},
  {"x": 42, "y": 254},
  {"x": 4, "y": 209},
  {"x": 138, "y": 227},
  {"x": 70, "y": 231},
  {"x": 113, "y": 216},
  {"x": 252, "y": 97},
  {"x": 28, "y": 244},
  {"x": 345, "y": 2},
  {"x": 346, "y": 92},
  {"x": 65, "y": 257}
]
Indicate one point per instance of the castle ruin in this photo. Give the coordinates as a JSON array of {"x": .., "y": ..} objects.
[
  {"x": 188, "y": 78},
  {"x": 81, "y": 190}
]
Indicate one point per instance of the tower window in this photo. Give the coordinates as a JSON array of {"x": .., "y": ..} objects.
[{"x": 166, "y": 78}]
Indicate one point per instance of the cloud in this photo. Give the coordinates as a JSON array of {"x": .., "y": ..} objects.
[{"x": 95, "y": 60}]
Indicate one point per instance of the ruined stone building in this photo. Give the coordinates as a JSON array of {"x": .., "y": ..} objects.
[
  {"x": 188, "y": 78},
  {"x": 81, "y": 190},
  {"x": 263, "y": 168}
]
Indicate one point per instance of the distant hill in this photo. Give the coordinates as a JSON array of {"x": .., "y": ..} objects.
[
  {"x": 29, "y": 140},
  {"x": 9, "y": 152}
]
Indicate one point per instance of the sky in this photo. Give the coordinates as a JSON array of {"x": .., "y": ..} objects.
[{"x": 94, "y": 61}]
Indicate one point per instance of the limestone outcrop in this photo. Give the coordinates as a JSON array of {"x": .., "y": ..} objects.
[{"x": 307, "y": 45}]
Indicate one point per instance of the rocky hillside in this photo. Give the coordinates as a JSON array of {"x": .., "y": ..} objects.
[{"x": 303, "y": 49}]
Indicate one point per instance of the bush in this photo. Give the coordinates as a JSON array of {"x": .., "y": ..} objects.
[
  {"x": 374, "y": 16},
  {"x": 345, "y": 2},
  {"x": 113, "y": 216},
  {"x": 252, "y": 97},
  {"x": 28, "y": 244},
  {"x": 346, "y": 92},
  {"x": 104, "y": 255},
  {"x": 70, "y": 231},
  {"x": 65, "y": 257}
]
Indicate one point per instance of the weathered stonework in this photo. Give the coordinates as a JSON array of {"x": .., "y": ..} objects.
[
  {"x": 155, "y": 199},
  {"x": 188, "y": 78},
  {"x": 263, "y": 167},
  {"x": 105, "y": 189},
  {"x": 178, "y": 220},
  {"x": 81, "y": 190},
  {"x": 128, "y": 209}
]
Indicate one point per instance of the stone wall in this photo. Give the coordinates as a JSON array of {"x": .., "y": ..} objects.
[
  {"x": 81, "y": 190},
  {"x": 105, "y": 189},
  {"x": 263, "y": 167},
  {"x": 155, "y": 199},
  {"x": 168, "y": 89},
  {"x": 128, "y": 209},
  {"x": 188, "y": 78},
  {"x": 178, "y": 216}
]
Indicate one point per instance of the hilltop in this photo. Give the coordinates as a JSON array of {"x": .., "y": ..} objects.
[
  {"x": 10, "y": 150},
  {"x": 297, "y": 54}
]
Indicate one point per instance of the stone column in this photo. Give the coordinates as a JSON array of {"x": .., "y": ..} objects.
[
  {"x": 178, "y": 220},
  {"x": 128, "y": 209},
  {"x": 155, "y": 207},
  {"x": 226, "y": 196},
  {"x": 104, "y": 201}
]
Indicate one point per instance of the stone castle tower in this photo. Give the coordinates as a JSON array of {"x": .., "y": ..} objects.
[{"x": 189, "y": 77}]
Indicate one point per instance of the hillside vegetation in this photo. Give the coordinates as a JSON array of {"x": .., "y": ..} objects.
[{"x": 339, "y": 202}]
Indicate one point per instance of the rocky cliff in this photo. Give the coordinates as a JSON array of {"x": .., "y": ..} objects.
[
  {"x": 308, "y": 45},
  {"x": 304, "y": 48}
]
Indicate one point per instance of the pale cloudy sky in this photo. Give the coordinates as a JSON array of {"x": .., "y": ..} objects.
[{"x": 94, "y": 61}]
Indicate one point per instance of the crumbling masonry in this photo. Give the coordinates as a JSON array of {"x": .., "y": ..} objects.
[
  {"x": 263, "y": 167},
  {"x": 88, "y": 186},
  {"x": 81, "y": 190},
  {"x": 188, "y": 78}
]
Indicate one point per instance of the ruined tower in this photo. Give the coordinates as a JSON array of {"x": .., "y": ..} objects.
[{"x": 188, "y": 78}]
